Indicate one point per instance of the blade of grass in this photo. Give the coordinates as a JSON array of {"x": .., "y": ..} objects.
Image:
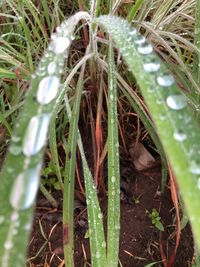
[
  {"x": 168, "y": 107},
  {"x": 113, "y": 167},
  {"x": 69, "y": 178},
  {"x": 21, "y": 171},
  {"x": 95, "y": 217}
]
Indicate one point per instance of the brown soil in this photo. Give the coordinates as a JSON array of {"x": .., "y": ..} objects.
[{"x": 139, "y": 239}]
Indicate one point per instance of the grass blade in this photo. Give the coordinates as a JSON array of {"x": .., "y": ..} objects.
[
  {"x": 113, "y": 168},
  {"x": 68, "y": 196},
  {"x": 95, "y": 217},
  {"x": 175, "y": 124}
]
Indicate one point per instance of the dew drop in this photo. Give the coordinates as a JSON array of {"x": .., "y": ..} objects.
[
  {"x": 179, "y": 135},
  {"x": 98, "y": 255},
  {"x": 176, "y": 102},
  {"x": 117, "y": 227},
  {"x": 103, "y": 244},
  {"x": 8, "y": 245},
  {"x": 195, "y": 167},
  {"x": 113, "y": 179},
  {"x": 48, "y": 89},
  {"x": 10, "y": 170},
  {"x": 14, "y": 216},
  {"x": 198, "y": 183},
  {"x": 36, "y": 133},
  {"x": 165, "y": 80},
  {"x": 15, "y": 149},
  {"x": 59, "y": 44},
  {"x": 51, "y": 68},
  {"x": 140, "y": 39},
  {"x": 2, "y": 219},
  {"x": 133, "y": 32},
  {"x": 151, "y": 66},
  {"x": 100, "y": 216},
  {"x": 145, "y": 49},
  {"x": 111, "y": 97},
  {"x": 16, "y": 138},
  {"x": 25, "y": 188}
]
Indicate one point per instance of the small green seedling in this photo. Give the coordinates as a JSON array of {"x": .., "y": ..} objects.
[
  {"x": 52, "y": 181},
  {"x": 155, "y": 219}
]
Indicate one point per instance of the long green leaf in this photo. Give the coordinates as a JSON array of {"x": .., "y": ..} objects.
[
  {"x": 21, "y": 171},
  {"x": 95, "y": 217},
  {"x": 177, "y": 129},
  {"x": 113, "y": 168}
]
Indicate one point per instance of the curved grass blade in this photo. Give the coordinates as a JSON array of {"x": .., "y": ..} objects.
[
  {"x": 21, "y": 171},
  {"x": 113, "y": 168},
  {"x": 95, "y": 217},
  {"x": 177, "y": 129},
  {"x": 69, "y": 179}
]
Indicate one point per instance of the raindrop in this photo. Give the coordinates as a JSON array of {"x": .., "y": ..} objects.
[
  {"x": 10, "y": 170},
  {"x": 51, "y": 68},
  {"x": 25, "y": 188},
  {"x": 15, "y": 150},
  {"x": 59, "y": 44},
  {"x": 113, "y": 193},
  {"x": 163, "y": 117},
  {"x": 179, "y": 135},
  {"x": 100, "y": 216},
  {"x": 14, "y": 216},
  {"x": 151, "y": 66},
  {"x": 140, "y": 39},
  {"x": 117, "y": 227},
  {"x": 113, "y": 179},
  {"x": 111, "y": 97},
  {"x": 103, "y": 244},
  {"x": 16, "y": 138},
  {"x": 145, "y": 48},
  {"x": 133, "y": 32},
  {"x": 8, "y": 245},
  {"x": 165, "y": 80},
  {"x": 176, "y": 102},
  {"x": 2, "y": 219},
  {"x": 195, "y": 167},
  {"x": 98, "y": 255},
  {"x": 36, "y": 133},
  {"x": 48, "y": 89},
  {"x": 27, "y": 226},
  {"x": 198, "y": 183}
]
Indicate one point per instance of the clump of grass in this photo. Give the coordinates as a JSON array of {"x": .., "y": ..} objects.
[{"x": 169, "y": 120}]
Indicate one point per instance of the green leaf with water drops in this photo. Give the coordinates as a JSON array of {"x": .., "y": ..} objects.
[
  {"x": 21, "y": 171},
  {"x": 113, "y": 167},
  {"x": 95, "y": 216},
  {"x": 177, "y": 129}
]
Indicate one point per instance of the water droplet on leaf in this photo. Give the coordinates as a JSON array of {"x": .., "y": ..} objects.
[
  {"x": 59, "y": 44},
  {"x": 165, "y": 80},
  {"x": 15, "y": 149},
  {"x": 151, "y": 66},
  {"x": 179, "y": 135},
  {"x": 113, "y": 179},
  {"x": 145, "y": 49},
  {"x": 36, "y": 134},
  {"x": 195, "y": 167},
  {"x": 48, "y": 89},
  {"x": 51, "y": 68},
  {"x": 25, "y": 188},
  {"x": 176, "y": 102}
]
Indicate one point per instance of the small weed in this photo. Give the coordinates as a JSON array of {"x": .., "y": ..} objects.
[{"x": 155, "y": 219}]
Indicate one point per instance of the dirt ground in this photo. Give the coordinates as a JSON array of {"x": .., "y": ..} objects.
[{"x": 139, "y": 240}]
